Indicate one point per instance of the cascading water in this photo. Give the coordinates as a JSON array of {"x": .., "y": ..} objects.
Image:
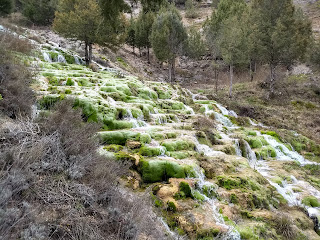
[
  {"x": 202, "y": 184},
  {"x": 237, "y": 147},
  {"x": 218, "y": 116},
  {"x": 189, "y": 110},
  {"x": 250, "y": 155},
  {"x": 205, "y": 149},
  {"x": 61, "y": 59},
  {"x": 46, "y": 57},
  {"x": 223, "y": 110}
]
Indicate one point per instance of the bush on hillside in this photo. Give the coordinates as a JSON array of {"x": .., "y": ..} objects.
[
  {"x": 15, "y": 78},
  {"x": 40, "y": 12}
]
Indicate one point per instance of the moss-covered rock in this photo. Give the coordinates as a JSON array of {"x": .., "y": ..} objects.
[
  {"x": 151, "y": 151},
  {"x": 178, "y": 145},
  {"x": 113, "y": 148},
  {"x": 118, "y": 137},
  {"x": 145, "y": 138},
  {"x": 311, "y": 201},
  {"x": 160, "y": 170}
]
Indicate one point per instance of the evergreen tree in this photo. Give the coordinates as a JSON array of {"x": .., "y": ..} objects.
[
  {"x": 39, "y": 11},
  {"x": 153, "y": 5},
  {"x": 167, "y": 37},
  {"x": 195, "y": 47},
  {"x": 131, "y": 34},
  {"x": 281, "y": 34},
  {"x": 6, "y": 7},
  {"x": 143, "y": 31},
  {"x": 226, "y": 34},
  {"x": 82, "y": 20}
]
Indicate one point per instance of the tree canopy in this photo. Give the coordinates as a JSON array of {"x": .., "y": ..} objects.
[{"x": 167, "y": 37}]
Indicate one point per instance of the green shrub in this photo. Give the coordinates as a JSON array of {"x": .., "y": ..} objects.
[
  {"x": 185, "y": 188},
  {"x": 206, "y": 234},
  {"x": 67, "y": 91},
  {"x": 54, "y": 81},
  {"x": 118, "y": 137},
  {"x": 234, "y": 198},
  {"x": 47, "y": 102},
  {"x": 311, "y": 201},
  {"x": 39, "y": 11},
  {"x": 6, "y": 7}
]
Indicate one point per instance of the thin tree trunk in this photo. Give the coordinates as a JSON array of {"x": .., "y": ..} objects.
[
  {"x": 251, "y": 71},
  {"x": 86, "y": 56},
  {"x": 231, "y": 80},
  {"x": 173, "y": 69},
  {"x": 148, "y": 54},
  {"x": 170, "y": 71},
  {"x": 216, "y": 79},
  {"x": 272, "y": 79},
  {"x": 90, "y": 53}
]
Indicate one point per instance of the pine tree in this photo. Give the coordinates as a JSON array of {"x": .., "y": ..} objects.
[
  {"x": 6, "y": 7},
  {"x": 227, "y": 34},
  {"x": 143, "y": 31},
  {"x": 281, "y": 34},
  {"x": 153, "y": 5},
  {"x": 131, "y": 34},
  {"x": 39, "y": 11},
  {"x": 195, "y": 47},
  {"x": 167, "y": 37}
]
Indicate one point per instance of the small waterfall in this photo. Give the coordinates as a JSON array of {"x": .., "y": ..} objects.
[
  {"x": 237, "y": 147},
  {"x": 189, "y": 109},
  {"x": 223, "y": 110},
  {"x": 218, "y": 116},
  {"x": 233, "y": 114},
  {"x": 76, "y": 60},
  {"x": 231, "y": 234},
  {"x": 205, "y": 149},
  {"x": 250, "y": 155},
  {"x": 46, "y": 57},
  {"x": 160, "y": 118},
  {"x": 112, "y": 102},
  {"x": 283, "y": 153},
  {"x": 61, "y": 59}
]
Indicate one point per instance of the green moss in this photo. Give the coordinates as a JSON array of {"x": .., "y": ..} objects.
[
  {"x": 209, "y": 191},
  {"x": 247, "y": 233},
  {"x": 150, "y": 151},
  {"x": 70, "y": 82},
  {"x": 53, "y": 81},
  {"x": 273, "y": 134},
  {"x": 236, "y": 182},
  {"x": 178, "y": 145},
  {"x": 185, "y": 188},
  {"x": 311, "y": 201},
  {"x": 69, "y": 58},
  {"x": 266, "y": 152},
  {"x": 256, "y": 142},
  {"x": 207, "y": 234},
  {"x": 136, "y": 113},
  {"x": 116, "y": 124},
  {"x": 147, "y": 93},
  {"x": 113, "y": 148},
  {"x": 171, "y": 135},
  {"x": 118, "y": 137},
  {"x": 157, "y": 136},
  {"x": 163, "y": 94},
  {"x": 160, "y": 170},
  {"x": 171, "y": 206},
  {"x": 180, "y": 154},
  {"x": 252, "y": 133},
  {"x": 84, "y": 82},
  {"x": 124, "y": 156},
  {"x": 234, "y": 198},
  {"x": 198, "y": 196},
  {"x": 67, "y": 91},
  {"x": 145, "y": 138},
  {"x": 109, "y": 89},
  {"x": 89, "y": 110}
]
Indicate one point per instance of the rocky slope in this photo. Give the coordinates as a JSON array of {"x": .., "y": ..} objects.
[{"x": 210, "y": 173}]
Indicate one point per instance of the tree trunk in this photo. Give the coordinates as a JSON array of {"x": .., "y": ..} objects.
[
  {"x": 171, "y": 70},
  {"x": 272, "y": 79},
  {"x": 148, "y": 55},
  {"x": 90, "y": 53},
  {"x": 251, "y": 71},
  {"x": 216, "y": 76},
  {"x": 231, "y": 80},
  {"x": 86, "y": 54}
]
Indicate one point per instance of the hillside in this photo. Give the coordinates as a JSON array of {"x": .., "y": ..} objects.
[
  {"x": 208, "y": 171},
  {"x": 111, "y": 150}
]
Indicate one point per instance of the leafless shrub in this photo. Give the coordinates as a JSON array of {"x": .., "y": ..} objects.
[
  {"x": 52, "y": 167},
  {"x": 15, "y": 78}
]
